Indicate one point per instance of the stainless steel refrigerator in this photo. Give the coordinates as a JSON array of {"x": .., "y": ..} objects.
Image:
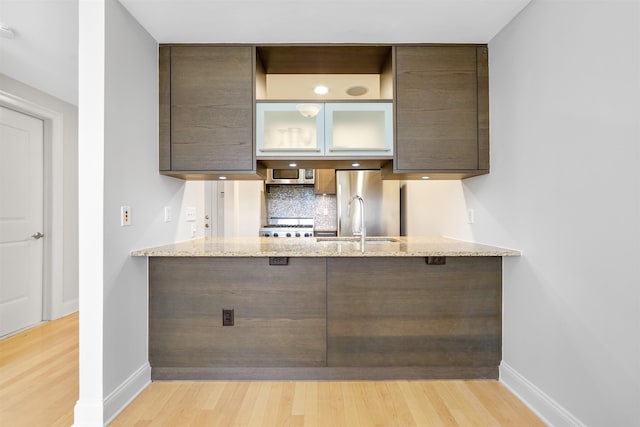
[{"x": 381, "y": 203}]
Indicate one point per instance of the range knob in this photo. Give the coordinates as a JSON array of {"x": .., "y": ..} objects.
[
  {"x": 275, "y": 234},
  {"x": 307, "y": 235},
  {"x": 288, "y": 234},
  {"x": 297, "y": 234}
]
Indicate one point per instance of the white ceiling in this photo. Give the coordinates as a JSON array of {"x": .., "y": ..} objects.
[
  {"x": 324, "y": 21},
  {"x": 44, "y": 52}
]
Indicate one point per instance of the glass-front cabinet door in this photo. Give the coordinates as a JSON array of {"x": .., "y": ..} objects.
[
  {"x": 336, "y": 129},
  {"x": 289, "y": 129},
  {"x": 359, "y": 129}
]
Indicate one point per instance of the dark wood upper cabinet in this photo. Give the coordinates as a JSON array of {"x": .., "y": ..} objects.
[
  {"x": 207, "y": 96},
  {"x": 325, "y": 181},
  {"x": 210, "y": 94},
  {"x": 164, "y": 108},
  {"x": 441, "y": 110},
  {"x": 365, "y": 59}
]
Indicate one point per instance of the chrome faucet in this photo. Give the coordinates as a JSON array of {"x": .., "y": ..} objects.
[{"x": 363, "y": 232}]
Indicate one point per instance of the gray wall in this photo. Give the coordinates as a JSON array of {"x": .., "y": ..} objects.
[
  {"x": 564, "y": 188},
  {"x": 131, "y": 178}
]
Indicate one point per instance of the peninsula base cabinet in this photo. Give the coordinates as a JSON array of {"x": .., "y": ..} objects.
[
  {"x": 279, "y": 312},
  {"x": 392, "y": 312},
  {"x": 349, "y": 318}
]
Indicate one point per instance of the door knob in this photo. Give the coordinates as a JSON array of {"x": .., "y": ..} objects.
[{"x": 37, "y": 236}]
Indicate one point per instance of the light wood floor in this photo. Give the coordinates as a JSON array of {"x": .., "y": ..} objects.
[
  {"x": 350, "y": 404},
  {"x": 39, "y": 387},
  {"x": 39, "y": 375}
]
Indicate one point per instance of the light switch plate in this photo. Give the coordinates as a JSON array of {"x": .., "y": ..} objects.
[
  {"x": 471, "y": 216},
  {"x": 167, "y": 214}
]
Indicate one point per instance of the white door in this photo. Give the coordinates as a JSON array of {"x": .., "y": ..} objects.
[{"x": 21, "y": 220}]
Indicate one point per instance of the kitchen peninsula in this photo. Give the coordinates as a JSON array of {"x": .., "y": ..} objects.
[{"x": 265, "y": 308}]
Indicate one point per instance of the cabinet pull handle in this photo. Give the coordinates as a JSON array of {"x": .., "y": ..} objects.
[
  {"x": 359, "y": 149},
  {"x": 289, "y": 150},
  {"x": 436, "y": 260},
  {"x": 278, "y": 260}
]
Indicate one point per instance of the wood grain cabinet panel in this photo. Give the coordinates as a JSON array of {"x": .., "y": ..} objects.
[
  {"x": 325, "y": 181},
  {"x": 325, "y": 318},
  {"x": 280, "y": 312},
  {"x": 164, "y": 108},
  {"x": 211, "y": 108},
  {"x": 441, "y": 116},
  {"x": 394, "y": 312}
]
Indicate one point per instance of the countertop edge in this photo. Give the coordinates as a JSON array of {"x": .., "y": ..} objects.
[
  {"x": 320, "y": 255},
  {"x": 257, "y": 248}
]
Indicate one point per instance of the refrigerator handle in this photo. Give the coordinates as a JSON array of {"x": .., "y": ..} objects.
[{"x": 339, "y": 208}]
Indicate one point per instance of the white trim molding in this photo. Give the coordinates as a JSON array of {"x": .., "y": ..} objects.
[
  {"x": 126, "y": 392},
  {"x": 550, "y": 411},
  {"x": 53, "y": 277},
  {"x": 88, "y": 413}
]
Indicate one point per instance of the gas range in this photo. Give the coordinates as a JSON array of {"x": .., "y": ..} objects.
[{"x": 288, "y": 227}]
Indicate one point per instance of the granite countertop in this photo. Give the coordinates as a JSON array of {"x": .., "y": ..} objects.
[{"x": 310, "y": 247}]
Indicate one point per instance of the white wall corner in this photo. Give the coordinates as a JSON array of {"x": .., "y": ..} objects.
[
  {"x": 87, "y": 413},
  {"x": 550, "y": 411},
  {"x": 126, "y": 392}
]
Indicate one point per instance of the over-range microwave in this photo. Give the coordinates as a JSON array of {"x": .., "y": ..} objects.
[{"x": 290, "y": 176}]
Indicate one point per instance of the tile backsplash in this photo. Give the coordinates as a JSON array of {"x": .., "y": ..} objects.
[{"x": 301, "y": 201}]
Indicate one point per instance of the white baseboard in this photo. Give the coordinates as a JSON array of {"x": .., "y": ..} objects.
[
  {"x": 126, "y": 392},
  {"x": 69, "y": 307},
  {"x": 60, "y": 310},
  {"x": 550, "y": 411}
]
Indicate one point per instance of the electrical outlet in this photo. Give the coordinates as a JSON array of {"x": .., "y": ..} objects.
[
  {"x": 167, "y": 214},
  {"x": 227, "y": 317},
  {"x": 125, "y": 215},
  {"x": 471, "y": 216},
  {"x": 190, "y": 214},
  {"x": 193, "y": 230},
  {"x": 278, "y": 260}
]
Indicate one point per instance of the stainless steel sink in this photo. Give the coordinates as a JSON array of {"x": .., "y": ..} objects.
[{"x": 357, "y": 239}]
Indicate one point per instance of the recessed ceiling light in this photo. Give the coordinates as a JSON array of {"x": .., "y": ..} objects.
[
  {"x": 425, "y": 177},
  {"x": 6, "y": 31},
  {"x": 355, "y": 165},
  {"x": 222, "y": 178},
  {"x": 293, "y": 165},
  {"x": 321, "y": 90},
  {"x": 357, "y": 90}
]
